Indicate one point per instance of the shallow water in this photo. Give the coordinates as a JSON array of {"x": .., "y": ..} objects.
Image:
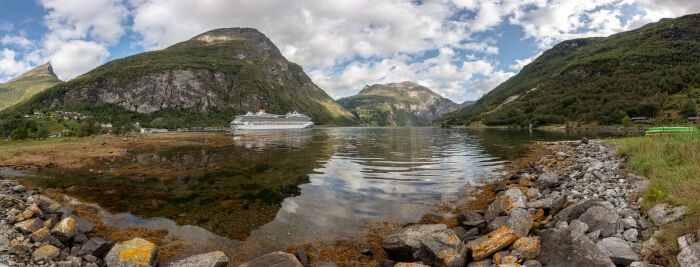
[{"x": 270, "y": 189}]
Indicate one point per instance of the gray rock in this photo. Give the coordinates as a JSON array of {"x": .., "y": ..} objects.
[
  {"x": 562, "y": 225},
  {"x": 302, "y": 256},
  {"x": 402, "y": 243},
  {"x": 29, "y": 226},
  {"x": 386, "y": 263},
  {"x": 84, "y": 226},
  {"x": 575, "y": 210},
  {"x": 643, "y": 264},
  {"x": 276, "y": 259},
  {"x": 481, "y": 263},
  {"x": 471, "y": 219},
  {"x": 579, "y": 226},
  {"x": 570, "y": 248},
  {"x": 584, "y": 140},
  {"x": 498, "y": 222},
  {"x": 45, "y": 253},
  {"x": 528, "y": 247},
  {"x": 90, "y": 258},
  {"x": 96, "y": 246},
  {"x": 443, "y": 248},
  {"x": 464, "y": 234},
  {"x": 662, "y": 214},
  {"x": 516, "y": 197},
  {"x": 532, "y": 263},
  {"x": 686, "y": 240},
  {"x": 547, "y": 179},
  {"x": 141, "y": 252},
  {"x": 65, "y": 229},
  {"x": 520, "y": 221},
  {"x": 211, "y": 259},
  {"x": 600, "y": 218},
  {"x": 363, "y": 251},
  {"x": 628, "y": 222},
  {"x": 618, "y": 250},
  {"x": 496, "y": 208},
  {"x": 631, "y": 235},
  {"x": 690, "y": 256}
]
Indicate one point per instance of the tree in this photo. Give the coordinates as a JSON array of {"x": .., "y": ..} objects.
[
  {"x": 43, "y": 133},
  {"x": 88, "y": 127},
  {"x": 688, "y": 109},
  {"x": 626, "y": 121},
  {"x": 19, "y": 134},
  {"x": 122, "y": 125}
]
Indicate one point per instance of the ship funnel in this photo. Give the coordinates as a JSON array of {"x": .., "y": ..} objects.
[{"x": 262, "y": 110}]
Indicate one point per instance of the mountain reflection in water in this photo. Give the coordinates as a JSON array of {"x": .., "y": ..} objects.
[{"x": 281, "y": 187}]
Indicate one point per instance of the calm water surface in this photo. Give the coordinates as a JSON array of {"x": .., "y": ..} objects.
[{"x": 269, "y": 189}]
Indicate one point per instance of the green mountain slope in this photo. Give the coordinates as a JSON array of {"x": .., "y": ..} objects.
[
  {"x": 27, "y": 85},
  {"x": 651, "y": 71},
  {"x": 397, "y": 104},
  {"x": 206, "y": 80}
]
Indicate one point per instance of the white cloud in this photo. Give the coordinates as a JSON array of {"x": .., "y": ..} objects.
[
  {"x": 520, "y": 63},
  {"x": 19, "y": 41},
  {"x": 483, "y": 86},
  {"x": 77, "y": 57},
  {"x": 11, "y": 67},
  {"x": 6, "y": 26},
  {"x": 100, "y": 20}
]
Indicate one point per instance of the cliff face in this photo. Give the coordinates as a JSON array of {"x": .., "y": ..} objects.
[
  {"x": 27, "y": 85},
  {"x": 397, "y": 104},
  {"x": 203, "y": 81}
]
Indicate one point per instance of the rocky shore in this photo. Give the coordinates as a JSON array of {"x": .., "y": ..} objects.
[
  {"x": 572, "y": 207},
  {"x": 38, "y": 231}
]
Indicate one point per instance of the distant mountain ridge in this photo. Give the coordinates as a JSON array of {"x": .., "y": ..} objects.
[
  {"x": 649, "y": 72},
  {"x": 206, "y": 80},
  {"x": 27, "y": 85},
  {"x": 397, "y": 104}
]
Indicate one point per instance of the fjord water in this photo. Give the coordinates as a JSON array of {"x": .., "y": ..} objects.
[{"x": 275, "y": 188}]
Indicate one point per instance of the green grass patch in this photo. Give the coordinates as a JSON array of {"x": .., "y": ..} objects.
[{"x": 672, "y": 164}]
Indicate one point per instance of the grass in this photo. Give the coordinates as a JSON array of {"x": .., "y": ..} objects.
[{"x": 672, "y": 164}]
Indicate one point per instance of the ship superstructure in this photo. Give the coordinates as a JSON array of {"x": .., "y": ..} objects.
[{"x": 265, "y": 121}]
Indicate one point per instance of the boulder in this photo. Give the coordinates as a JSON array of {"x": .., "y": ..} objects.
[
  {"x": 443, "y": 248},
  {"x": 643, "y": 264},
  {"x": 690, "y": 256},
  {"x": 84, "y": 226},
  {"x": 515, "y": 199},
  {"x": 276, "y": 259},
  {"x": 402, "y": 243},
  {"x": 96, "y": 246},
  {"x": 631, "y": 235},
  {"x": 496, "y": 208},
  {"x": 520, "y": 221},
  {"x": 532, "y": 263},
  {"x": 211, "y": 259},
  {"x": 547, "y": 179},
  {"x": 628, "y": 222},
  {"x": 497, "y": 223},
  {"x": 133, "y": 253},
  {"x": 29, "y": 226},
  {"x": 527, "y": 248},
  {"x": 662, "y": 214},
  {"x": 600, "y": 218},
  {"x": 575, "y": 210},
  {"x": 618, "y": 250},
  {"x": 464, "y": 234},
  {"x": 408, "y": 264},
  {"x": 494, "y": 241},
  {"x": 579, "y": 226},
  {"x": 44, "y": 235},
  {"x": 45, "y": 253},
  {"x": 482, "y": 263},
  {"x": 65, "y": 229},
  {"x": 471, "y": 219},
  {"x": 19, "y": 247},
  {"x": 302, "y": 256},
  {"x": 687, "y": 240},
  {"x": 570, "y": 248}
]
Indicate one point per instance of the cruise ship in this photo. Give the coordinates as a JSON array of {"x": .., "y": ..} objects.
[{"x": 265, "y": 121}]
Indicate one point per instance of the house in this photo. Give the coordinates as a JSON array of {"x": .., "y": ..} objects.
[
  {"x": 640, "y": 119},
  {"x": 695, "y": 120}
]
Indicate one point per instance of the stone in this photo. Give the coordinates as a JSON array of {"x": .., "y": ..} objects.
[
  {"x": 302, "y": 256},
  {"x": 25, "y": 215},
  {"x": 84, "y": 226},
  {"x": 443, "y": 248},
  {"x": 574, "y": 211},
  {"x": 95, "y": 246},
  {"x": 211, "y": 259},
  {"x": 80, "y": 238},
  {"x": 509, "y": 259},
  {"x": 547, "y": 179},
  {"x": 618, "y": 250},
  {"x": 532, "y": 263},
  {"x": 527, "y": 248},
  {"x": 71, "y": 262},
  {"x": 497, "y": 223},
  {"x": 600, "y": 218},
  {"x": 363, "y": 251},
  {"x": 19, "y": 247},
  {"x": 496, "y": 208},
  {"x": 494, "y": 241},
  {"x": 593, "y": 236},
  {"x": 402, "y": 243},
  {"x": 65, "y": 229},
  {"x": 323, "y": 264},
  {"x": 643, "y": 264},
  {"x": 385, "y": 263},
  {"x": 471, "y": 219},
  {"x": 30, "y": 226},
  {"x": 628, "y": 222},
  {"x": 570, "y": 248},
  {"x": 631, "y": 235},
  {"x": 662, "y": 214},
  {"x": 41, "y": 200},
  {"x": 689, "y": 256},
  {"x": 482, "y": 263},
  {"x": 74, "y": 250},
  {"x": 44, "y": 235},
  {"x": 65, "y": 211},
  {"x": 520, "y": 220},
  {"x": 515, "y": 199},
  {"x": 406, "y": 264},
  {"x": 584, "y": 140},
  {"x": 132, "y": 253},
  {"x": 19, "y": 188},
  {"x": 464, "y": 234},
  {"x": 45, "y": 253},
  {"x": 686, "y": 240},
  {"x": 90, "y": 258},
  {"x": 276, "y": 259},
  {"x": 579, "y": 226}
]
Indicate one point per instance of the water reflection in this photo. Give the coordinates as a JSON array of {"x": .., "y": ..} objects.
[{"x": 276, "y": 188}]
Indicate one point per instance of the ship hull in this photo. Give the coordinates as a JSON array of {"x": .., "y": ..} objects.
[{"x": 236, "y": 127}]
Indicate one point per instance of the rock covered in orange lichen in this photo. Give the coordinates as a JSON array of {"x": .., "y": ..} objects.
[
  {"x": 444, "y": 249},
  {"x": 65, "y": 229},
  {"x": 45, "y": 253},
  {"x": 211, "y": 259},
  {"x": 274, "y": 259},
  {"x": 29, "y": 226},
  {"x": 494, "y": 241},
  {"x": 527, "y": 247},
  {"x": 136, "y": 252}
]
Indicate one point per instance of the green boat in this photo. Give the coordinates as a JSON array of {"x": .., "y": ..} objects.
[{"x": 670, "y": 130}]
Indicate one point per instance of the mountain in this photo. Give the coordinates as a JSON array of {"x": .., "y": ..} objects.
[
  {"x": 651, "y": 71},
  {"x": 466, "y": 104},
  {"x": 206, "y": 80},
  {"x": 27, "y": 85},
  {"x": 397, "y": 104}
]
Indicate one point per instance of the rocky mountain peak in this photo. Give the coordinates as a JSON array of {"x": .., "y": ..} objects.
[
  {"x": 224, "y": 35},
  {"x": 401, "y": 86},
  {"x": 45, "y": 70}
]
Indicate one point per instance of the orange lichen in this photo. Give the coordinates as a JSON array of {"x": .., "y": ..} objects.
[
  {"x": 65, "y": 226},
  {"x": 538, "y": 215},
  {"x": 137, "y": 252},
  {"x": 495, "y": 241}
]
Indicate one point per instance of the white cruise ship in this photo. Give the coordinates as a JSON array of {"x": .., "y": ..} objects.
[{"x": 265, "y": 121}]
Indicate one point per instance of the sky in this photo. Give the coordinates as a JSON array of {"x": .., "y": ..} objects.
[{"x": 460, "y": 49}]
